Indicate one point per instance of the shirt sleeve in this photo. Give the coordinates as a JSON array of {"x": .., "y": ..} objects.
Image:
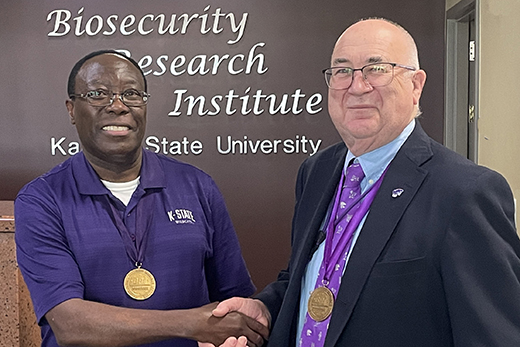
[
  {"x": 226, "y": 271},
  {"x": 45, "y": 260}
]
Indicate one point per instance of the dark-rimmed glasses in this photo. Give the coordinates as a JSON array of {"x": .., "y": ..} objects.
[
  {"x": 375, "y": 74},
  {"x": 102, "y": 97}
]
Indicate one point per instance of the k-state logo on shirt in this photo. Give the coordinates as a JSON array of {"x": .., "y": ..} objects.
[{"x": 181, "y": 216}]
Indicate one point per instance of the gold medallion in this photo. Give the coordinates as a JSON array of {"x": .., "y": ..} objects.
[
  {"x": 139, "y": 284},
  {"x": 321, "y": 303}
]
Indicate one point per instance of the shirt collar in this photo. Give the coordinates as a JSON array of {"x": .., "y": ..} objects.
[
  {"x": 152, "y": 172},
  {"x": 375, "y": 162},
  {"x": 88, "y": 182}
]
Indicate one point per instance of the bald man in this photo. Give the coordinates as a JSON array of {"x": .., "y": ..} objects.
[{"x": 396, "y": 240}]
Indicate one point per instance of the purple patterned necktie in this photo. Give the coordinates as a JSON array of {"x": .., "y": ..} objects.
[
  {"x": 351, "y": 190},
  {"x": 334, "y": 259}
]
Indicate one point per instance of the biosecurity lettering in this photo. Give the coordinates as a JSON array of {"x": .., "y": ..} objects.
[{"x": 205, "y": 23}]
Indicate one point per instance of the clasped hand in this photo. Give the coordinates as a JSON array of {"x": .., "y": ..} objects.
[{"x": 234, "y": 322}]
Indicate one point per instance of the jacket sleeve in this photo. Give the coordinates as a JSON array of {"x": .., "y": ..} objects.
[{"x": 480, "y": 265}]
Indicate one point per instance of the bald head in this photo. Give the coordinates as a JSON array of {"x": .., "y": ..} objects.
[
  {"x": 368, "y": 114},
  {"x": 383, "y": 30}
]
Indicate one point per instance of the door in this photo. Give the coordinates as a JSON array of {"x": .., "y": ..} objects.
[{"x": 461, "y": 109}]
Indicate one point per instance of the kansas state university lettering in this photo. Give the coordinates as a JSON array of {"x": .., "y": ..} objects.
[{"x": 181, "y": 216}]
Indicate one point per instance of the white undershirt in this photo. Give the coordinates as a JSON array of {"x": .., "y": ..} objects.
[{"x": 122, "y": 190}]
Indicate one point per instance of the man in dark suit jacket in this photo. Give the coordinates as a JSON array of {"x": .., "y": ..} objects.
[{"x": 435, "y": 260}]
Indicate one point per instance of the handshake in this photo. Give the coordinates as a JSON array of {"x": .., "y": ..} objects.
[{"x": 236, "y": 322}]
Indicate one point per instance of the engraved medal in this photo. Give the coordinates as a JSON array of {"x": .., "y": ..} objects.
[
  {"x": 139, "y": 284},
  {"x": 320, "y": 304}
]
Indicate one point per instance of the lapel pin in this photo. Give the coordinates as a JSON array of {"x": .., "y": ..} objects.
[{"x": 397, "y": 192}]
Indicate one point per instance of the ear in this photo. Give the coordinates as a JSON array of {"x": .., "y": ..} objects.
[
  {"x": 70, "y": 108},
  {"x": 418, "y": 81}
]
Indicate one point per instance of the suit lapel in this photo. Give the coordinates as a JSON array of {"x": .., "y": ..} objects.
[
  {"x": 319, "y": 187},
  {"x": 385, "y": 212},
  {"x": 322, "y": 186}
]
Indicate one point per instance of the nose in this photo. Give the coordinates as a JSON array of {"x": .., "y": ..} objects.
[
  {"x": 359, "y": 84},
  {"x": 117, "y": 104}
]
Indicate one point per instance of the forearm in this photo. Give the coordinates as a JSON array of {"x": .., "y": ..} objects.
[{"x": 79, "y": 322}]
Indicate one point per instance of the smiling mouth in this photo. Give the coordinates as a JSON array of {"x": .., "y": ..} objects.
[{"x": 115, "y": 128}]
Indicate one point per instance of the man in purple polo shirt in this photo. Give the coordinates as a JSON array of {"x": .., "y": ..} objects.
[{"x": 120, "y": 246}]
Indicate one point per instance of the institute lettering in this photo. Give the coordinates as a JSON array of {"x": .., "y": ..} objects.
[{"x": 248, "y": 102}]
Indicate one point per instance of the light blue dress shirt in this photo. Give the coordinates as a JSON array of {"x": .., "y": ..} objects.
[{"x": 374, "y": 164}]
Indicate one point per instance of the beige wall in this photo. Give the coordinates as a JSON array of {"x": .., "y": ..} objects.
[
  {"x": 499, "y": 89},
  {"x": 499, "y": 85}
]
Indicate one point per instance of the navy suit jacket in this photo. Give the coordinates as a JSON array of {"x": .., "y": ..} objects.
[{"x": 437, "y": 266}]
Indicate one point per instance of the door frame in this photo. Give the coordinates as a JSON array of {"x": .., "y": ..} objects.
[{"x": 457, "y": 89}]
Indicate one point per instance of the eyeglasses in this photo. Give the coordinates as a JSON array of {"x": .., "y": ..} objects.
[
  {"x": 376, "y": 74},
  {"x": 102, "y": 97}
]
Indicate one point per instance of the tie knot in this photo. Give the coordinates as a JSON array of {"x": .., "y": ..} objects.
[{"x": 354, "y": 175}]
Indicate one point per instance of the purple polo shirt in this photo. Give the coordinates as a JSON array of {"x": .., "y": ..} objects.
[{"x": 69, "y": 247}]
